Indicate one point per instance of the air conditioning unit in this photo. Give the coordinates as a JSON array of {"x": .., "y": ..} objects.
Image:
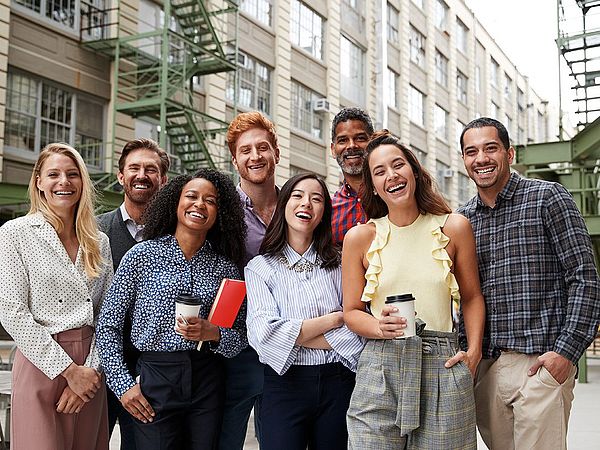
[
  {"x": 448, "y": 173},
  {"x": 320, "y": 105},
  {"x": 243, "y": 61}
]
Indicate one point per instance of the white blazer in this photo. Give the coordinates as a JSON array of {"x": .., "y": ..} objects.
[{"x": 42, "y": 292}]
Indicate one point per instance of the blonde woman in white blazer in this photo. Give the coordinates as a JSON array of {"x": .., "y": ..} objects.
[{"x": 55, "y": 269}]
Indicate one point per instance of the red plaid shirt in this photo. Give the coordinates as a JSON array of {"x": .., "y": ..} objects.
[{"x": 347, "y": 212}]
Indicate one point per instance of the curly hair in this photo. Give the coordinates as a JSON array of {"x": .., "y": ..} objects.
[
  {"x": 276, "y": 234},
  {"x": 248, "y": 121},
  {"x": 352, "y": 113},
  {"x": 429, "y": 200},
  {"x": 227, "y": 236}
]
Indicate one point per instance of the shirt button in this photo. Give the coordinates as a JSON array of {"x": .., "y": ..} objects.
[
  {"x": 60, "y": 301},
  {"x": 88, "y": 299}
]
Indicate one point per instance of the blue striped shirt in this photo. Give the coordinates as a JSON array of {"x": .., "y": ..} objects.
[{"x": 280, "y": 298}]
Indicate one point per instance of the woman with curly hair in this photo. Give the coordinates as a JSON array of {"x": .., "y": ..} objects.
[
  {"x": 412, "y": 392},
  {"x": 195, "y": 234},
  {"x": 295, "y": 323},
  {"x": 56, "y": 269}
]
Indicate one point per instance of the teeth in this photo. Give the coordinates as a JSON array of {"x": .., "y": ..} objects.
[
  {"x": 396, "y": 188},
  {"x": 197, "y": 215},
  {"x": 63, "y": 193},
  {"x": 481, "y": 171},
  {"x": 302, "y": 215},
  {"x": 140, "y": 186}
]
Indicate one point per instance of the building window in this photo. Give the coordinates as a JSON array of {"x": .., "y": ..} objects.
[
  {"x": 354, "y": 4},
  {"x": 507, "y": 86},
  {"x": 306, "y": 29},
  {"x": 254, "y": 85},
  {"x": 441, "y": 69},
  {"x": 416, "y": 112},
  {"x": 459, "y": 127},
  {"x": 38, "y": 113},
  {"x": 352, "y": 71},
  {"x": 494, "y": 111},
  {"x": 259, "y": 9},
  {"x": 393, "y": 20},
  {"x": 393, "y": 80},
  {"x": 463, "y": 189},
  {"x": 443, "y": 176},
  {"x": 420, "y": 154},
  {"x": 303, "y": 116},
  {"x": 520, "y": 99},
  {"x": 461, "y": 86},
  {"x": 441, "y": 15},
  {"x": 462, "y": 33},
  {"x": 508, "y": 123},
  {"x": 521, "y": 136},
  {"x": 477, "y": 80},
  {"x": 440, "y": 122},
  {"x": 494, "y": 72},
  {"x": 417, "y": 47},
  {"x": 541, "y": 122},
  {"x": 70, "y": 13}
]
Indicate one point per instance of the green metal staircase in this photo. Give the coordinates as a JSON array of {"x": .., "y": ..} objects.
[{"x": 156, "y": 71}]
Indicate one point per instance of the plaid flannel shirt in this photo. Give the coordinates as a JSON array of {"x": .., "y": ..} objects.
[
  {"x": 537, "y": 272},
  {"x": 347, "y": 212}
]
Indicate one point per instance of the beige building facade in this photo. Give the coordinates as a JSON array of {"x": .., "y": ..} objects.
[{"x": 421, "y": 68}]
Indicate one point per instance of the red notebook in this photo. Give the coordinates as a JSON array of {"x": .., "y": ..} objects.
[{"x": 227, "y": 303}]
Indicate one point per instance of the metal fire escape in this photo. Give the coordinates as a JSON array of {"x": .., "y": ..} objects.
[
  {"x": 575, "y": 163},
  {"x": 156, "y": 72}
]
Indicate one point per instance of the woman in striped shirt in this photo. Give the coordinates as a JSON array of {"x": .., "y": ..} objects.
[{"x": 296, "y": 326}]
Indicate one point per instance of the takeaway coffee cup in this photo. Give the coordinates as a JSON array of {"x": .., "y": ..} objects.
[
  {"x": 186, "y": 306},
  {"x": 406, "y": 308}
]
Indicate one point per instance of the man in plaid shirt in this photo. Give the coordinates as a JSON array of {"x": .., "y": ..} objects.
[
  {"x": 541, "y": 290},
  {"x": 350, "y": 132}
]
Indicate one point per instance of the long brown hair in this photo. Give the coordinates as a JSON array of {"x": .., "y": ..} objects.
[
  {"x": 276, "y": 235},
  {"x": 429, "y": 200}
]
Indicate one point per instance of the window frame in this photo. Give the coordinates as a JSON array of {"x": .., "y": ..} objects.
[
  {"x": 296, "y": 120},
  {"x": 296, "y": 24},
  {"x": 417, "y": 46},
  {"x": 41, "y": 120},
  {"x": 255, "y": 89}
]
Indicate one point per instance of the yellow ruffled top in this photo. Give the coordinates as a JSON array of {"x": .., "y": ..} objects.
[{"x": 412, "y": 259}]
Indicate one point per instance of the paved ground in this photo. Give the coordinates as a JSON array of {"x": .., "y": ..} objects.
[{"x": 584, "y": 426}]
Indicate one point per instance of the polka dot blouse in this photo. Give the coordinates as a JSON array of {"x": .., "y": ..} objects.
[{"x": 42, "y": 292}]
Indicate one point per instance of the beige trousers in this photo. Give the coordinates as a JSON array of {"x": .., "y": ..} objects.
[
  {"x": 519, "y": 412},
  {"x": 35, "y": 424}
]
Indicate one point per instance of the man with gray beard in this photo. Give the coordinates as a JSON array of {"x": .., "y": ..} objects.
[{"x": 351, "y": 130}]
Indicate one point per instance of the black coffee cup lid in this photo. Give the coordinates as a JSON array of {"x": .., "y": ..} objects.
[
  {"x": 399, "y": 298},
  {"x": 187, "y": 299}
]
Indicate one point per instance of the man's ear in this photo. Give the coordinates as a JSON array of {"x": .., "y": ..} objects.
[
  {"x": 511, "y": 154},
  {"x": 120, "y": 177}
]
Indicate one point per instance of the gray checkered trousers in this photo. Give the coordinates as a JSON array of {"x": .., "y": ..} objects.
[{"x": 406, "y": 399}]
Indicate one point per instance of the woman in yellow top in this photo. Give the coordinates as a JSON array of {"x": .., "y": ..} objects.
[{"x": 413, "y": 392}]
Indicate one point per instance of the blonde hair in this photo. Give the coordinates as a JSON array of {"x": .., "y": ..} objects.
[{"x": 86, "y": 227}]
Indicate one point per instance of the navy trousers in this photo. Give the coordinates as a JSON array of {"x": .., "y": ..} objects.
[
  {"x": 306, "y": 407},
  {"x": 185, "y": 389},
  {"x": 244, "y": 385}
]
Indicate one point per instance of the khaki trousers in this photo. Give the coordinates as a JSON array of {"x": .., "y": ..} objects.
[{"x": 518, "y": 412}]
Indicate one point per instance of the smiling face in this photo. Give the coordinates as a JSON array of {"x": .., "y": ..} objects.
[
  {"x": 393, "y": 178},
  {"x": 305, "y": 207},
  {"x": 348, "y": 147},
  {"x": 141, "y": 177},
  {"x": 255, "y": 157},
  {"x": 486, "y": 159},
  {"x": 61, "y": 183},
  {"x": 197, "y": 207}
]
